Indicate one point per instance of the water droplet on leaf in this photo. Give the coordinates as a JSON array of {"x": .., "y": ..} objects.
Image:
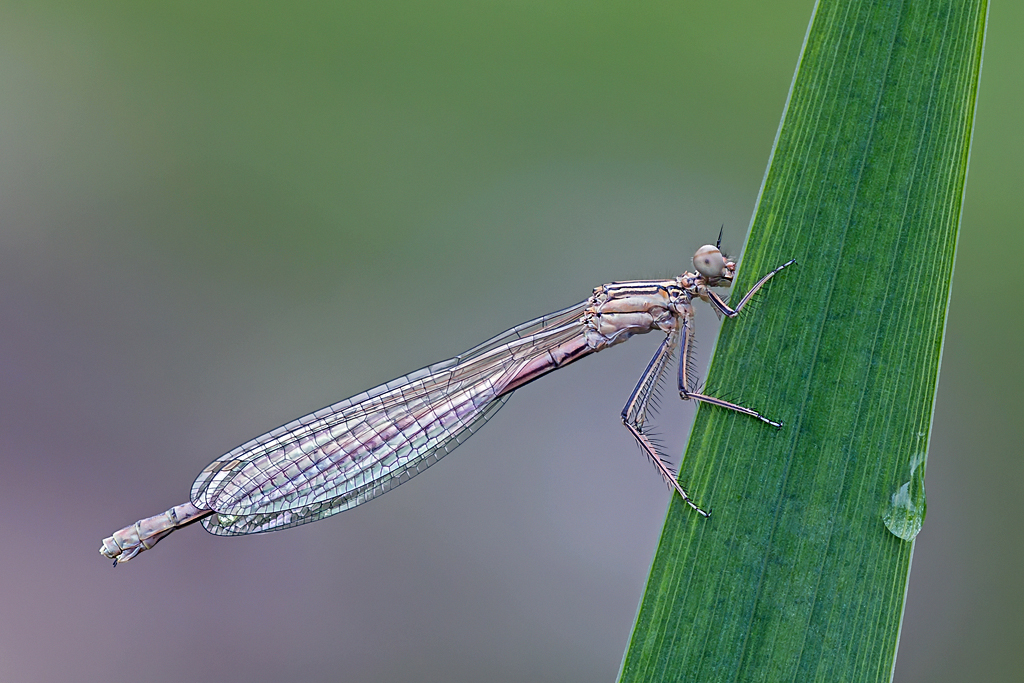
[{"x": 904, "y": 513}]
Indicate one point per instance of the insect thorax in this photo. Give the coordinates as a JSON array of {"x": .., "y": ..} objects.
[{"x": 618, "y": 310}]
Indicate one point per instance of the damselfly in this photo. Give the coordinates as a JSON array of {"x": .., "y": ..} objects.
[{"x": 352, "y": 451}]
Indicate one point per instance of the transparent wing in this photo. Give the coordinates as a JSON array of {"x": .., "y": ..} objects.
[{"x": 352, "y": 451}]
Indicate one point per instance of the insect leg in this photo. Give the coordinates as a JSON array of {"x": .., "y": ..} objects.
[
  {"x": 634, "y": 414},
  {"x": 720, "y": 305},
  {"x": 685, "y": 386}
]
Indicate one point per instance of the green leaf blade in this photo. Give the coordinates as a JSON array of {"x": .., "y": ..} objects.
[{"x": 795, "y": 576}]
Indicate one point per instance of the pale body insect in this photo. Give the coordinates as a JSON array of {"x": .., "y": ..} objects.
[{"x": 352, "y": 451}]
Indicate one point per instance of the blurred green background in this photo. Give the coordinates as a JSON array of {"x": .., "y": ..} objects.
[{"x": 217, "y": 217}]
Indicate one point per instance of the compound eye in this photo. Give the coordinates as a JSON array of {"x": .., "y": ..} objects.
[{"x": 709, "y": 262}]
